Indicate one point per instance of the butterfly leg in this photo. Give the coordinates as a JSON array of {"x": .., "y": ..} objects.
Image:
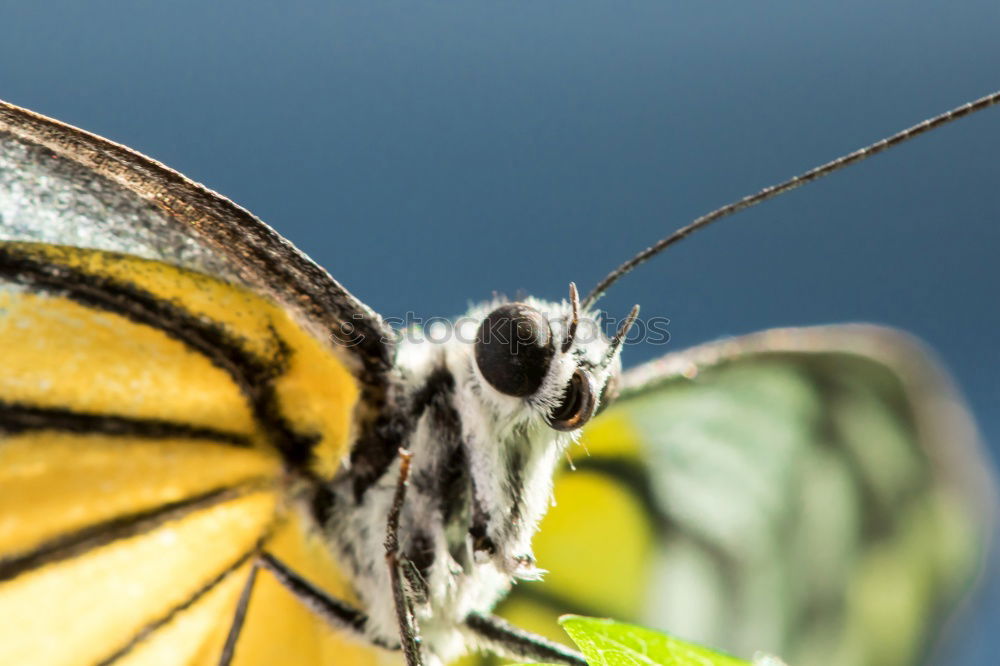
[
  {"x": 509, "y": 641},
  {"x": 409, "y": 631},
  {"x": 229, "y": 649},
  {"x": 417, "y": 585},
  {"x": 333, "y": 611}
]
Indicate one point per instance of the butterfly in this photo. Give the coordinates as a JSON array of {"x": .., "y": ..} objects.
[{"x": 213, "y": 453}]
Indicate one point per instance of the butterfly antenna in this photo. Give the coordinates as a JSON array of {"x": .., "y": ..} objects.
[
  {"x": 790, "y": 184},
  {"x": 623, "y": 330},
  {"x": 574, "y": 299}
]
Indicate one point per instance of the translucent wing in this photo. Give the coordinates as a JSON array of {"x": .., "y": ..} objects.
[
  {"x": 59, "y": 184},
  {"x": 815, "y": 493},
  {"x": 156, "y": 428}
]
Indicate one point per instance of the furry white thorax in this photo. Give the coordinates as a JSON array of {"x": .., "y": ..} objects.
[{"x": 509, "y": 455}]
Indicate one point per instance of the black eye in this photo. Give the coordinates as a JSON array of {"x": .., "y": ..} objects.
[
  {"x": 514, "y": 348},
  {"x": 577, "y": 405}
]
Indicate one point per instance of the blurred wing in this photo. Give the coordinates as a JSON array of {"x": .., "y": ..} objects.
[
  {"x": 59, "y": 184},
  {"x": 815, "y": 493},
  {"x": 156, "y": 428}
]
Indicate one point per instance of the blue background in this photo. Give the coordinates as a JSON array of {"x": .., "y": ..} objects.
[{"x": 429, "y": 153}]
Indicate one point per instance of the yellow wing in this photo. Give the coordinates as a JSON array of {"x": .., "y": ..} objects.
[
  {"x": 153, "y": 425},
  {"x": 65, "y": 186}
]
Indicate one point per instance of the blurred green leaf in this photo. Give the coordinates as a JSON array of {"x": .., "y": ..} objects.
[{"x": 609, "y": 643}]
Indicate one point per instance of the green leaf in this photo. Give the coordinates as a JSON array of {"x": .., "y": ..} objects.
[{"x": 609, "y": 643}]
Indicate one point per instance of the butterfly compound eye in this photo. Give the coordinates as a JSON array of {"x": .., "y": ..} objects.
[
  {"x": 514, "y": 349},
  {"x": 577, "y": 405}
]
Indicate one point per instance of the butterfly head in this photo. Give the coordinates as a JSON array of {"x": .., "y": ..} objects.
[{"x": 548, "y": 362}]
